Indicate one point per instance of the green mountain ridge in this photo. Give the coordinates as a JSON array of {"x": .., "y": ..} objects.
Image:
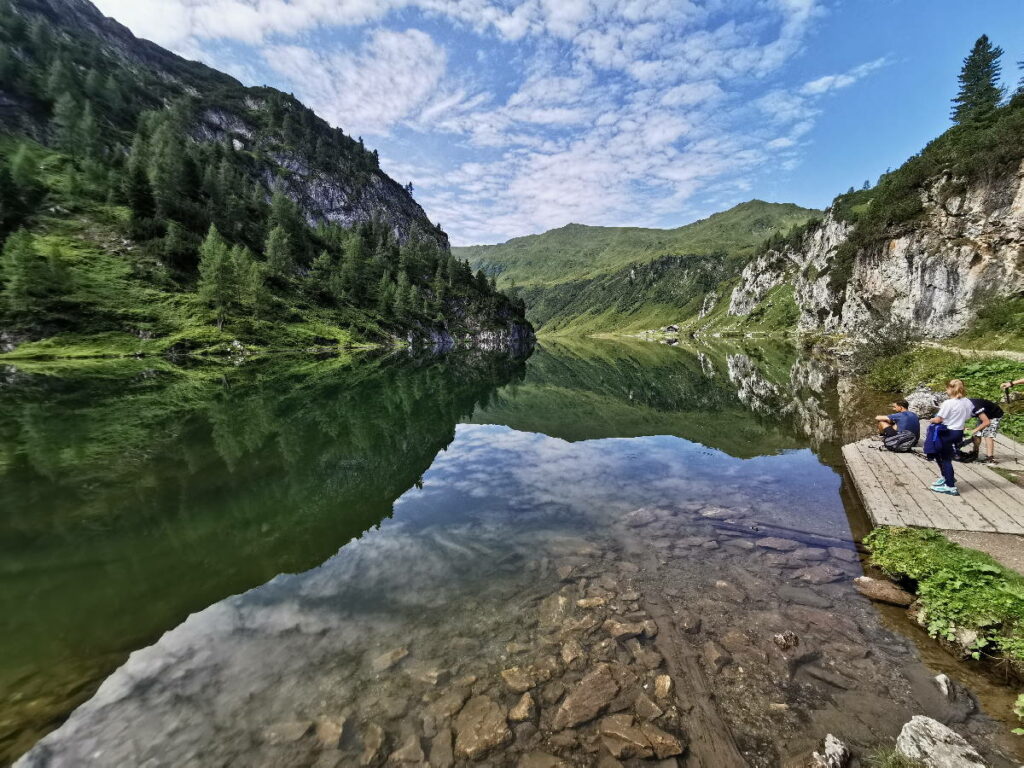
[{"x": 580, "y": 279}]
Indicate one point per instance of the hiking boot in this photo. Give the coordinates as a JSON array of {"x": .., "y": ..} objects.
[{"x": 946, "y": 490}]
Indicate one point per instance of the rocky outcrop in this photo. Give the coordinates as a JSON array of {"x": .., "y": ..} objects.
[
  {"x": 931, "y": 276},
  {"x": 936, "y": 745}
]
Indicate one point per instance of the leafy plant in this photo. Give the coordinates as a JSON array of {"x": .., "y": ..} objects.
[{"x": 958, "y": 588}]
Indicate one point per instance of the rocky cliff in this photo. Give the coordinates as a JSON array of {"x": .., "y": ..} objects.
[{"x": 965, "y": 248}]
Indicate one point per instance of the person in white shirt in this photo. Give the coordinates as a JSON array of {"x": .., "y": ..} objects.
[{"x": 953, "y": 415}]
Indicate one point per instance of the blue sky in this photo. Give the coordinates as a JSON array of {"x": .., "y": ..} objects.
[{"x": 512, "y": 117}]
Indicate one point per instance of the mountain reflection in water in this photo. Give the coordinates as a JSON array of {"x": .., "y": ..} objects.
[{"x": 481, "y": 555}]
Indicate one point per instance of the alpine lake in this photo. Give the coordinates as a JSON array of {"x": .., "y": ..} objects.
[{"x": 609, "y": 548}]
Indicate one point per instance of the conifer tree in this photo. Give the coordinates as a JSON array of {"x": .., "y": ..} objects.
[
  {"x": 24, "y": 173},
  {"x": 30, "y": 281},
  {"x": 112, "y": 95},
  {"x": 401, "y": 306},
  {"x": 177, "y": 246},
  {"x": 352, "y": 269},
  {"x": 385, "y": 294},
  {"x": 979, "y": 82},
  {"x": 256, "y": 296},
  {"x": 278, "y": 253},
  {"x": 321, "y": 277},
  {"x": 218, "y": 281},
  {"x": 10, "y": 208},
  {"x": 87, "y": 141},
  {"x": 59, "y": 79},
  {"x": 66, "y": 116}
]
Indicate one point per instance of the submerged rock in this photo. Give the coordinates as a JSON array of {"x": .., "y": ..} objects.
[
  {"x": 663, "y": 687},
  {"x": 622, "y": 631},
  {"x": 540, "y": 760},
  {"x": 936, "y": 745},
  {"x": 330, "y": 731},
  {"x": 716, "y": 656},
  {"x": 373, "y": 745},
  {"x": 588, "y": 699},
  {"x": 441, "y": 753},
  {"x": 622, "y": 739},
  {"x": 410, "y": 752},
  {"x": 479, "y": 728},
  {"x": 288, "y": 732},
  {"x": 776, "y": 543},
  {"x": 883, "y": 591},
  {"x": 387, "y": 660},
  {"x": 522, "y": 679},
  {"x": 525, "y": 709}
]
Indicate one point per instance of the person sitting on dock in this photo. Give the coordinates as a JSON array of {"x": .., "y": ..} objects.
[
  {"x": 988, "y": 415},
  {"x": 946, "y": 433},
  {"x": 902, "y": 419}
]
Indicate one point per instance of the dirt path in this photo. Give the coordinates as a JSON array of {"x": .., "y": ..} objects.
[{"x": 1003, "y": 353}]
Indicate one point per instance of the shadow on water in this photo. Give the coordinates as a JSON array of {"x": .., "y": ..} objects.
[{"x": 504, "y": 492}]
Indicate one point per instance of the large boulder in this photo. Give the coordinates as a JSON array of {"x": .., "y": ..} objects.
[
  {"x": 936, "y": 745},
  {"x": 925, "y": 402}
]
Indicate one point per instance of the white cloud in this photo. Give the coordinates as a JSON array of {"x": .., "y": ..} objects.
[
  {"x": 828, "y": 83},
  {"x": 368, "y": 91}
]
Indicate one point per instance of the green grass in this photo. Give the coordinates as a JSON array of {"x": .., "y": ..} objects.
[
  {"x": 577, "y": 251},
  {"x": 998, "y": 325},
  {"x": 958, "y": 588}
]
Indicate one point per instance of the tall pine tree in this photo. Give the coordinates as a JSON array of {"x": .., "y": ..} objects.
[{"x": 979, "y": 82}]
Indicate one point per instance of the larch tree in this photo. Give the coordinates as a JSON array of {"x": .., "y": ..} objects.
[
  {"x": 980, "y": 92},
  {"x": 278, "y": 253},
  {"x": 218, "y": 280}
]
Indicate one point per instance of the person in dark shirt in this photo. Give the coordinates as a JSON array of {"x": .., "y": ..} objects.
[
  {"x": 988, "y": 415},
  {"x": 902, "y": 419}
]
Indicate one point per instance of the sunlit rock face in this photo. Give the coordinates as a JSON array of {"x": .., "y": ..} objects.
[{"x": 931, "y": 278}]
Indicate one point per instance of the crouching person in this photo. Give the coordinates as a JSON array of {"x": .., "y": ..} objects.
[
  {"x": 988, "y": 415},
  {"x": 901, "y": 429}
]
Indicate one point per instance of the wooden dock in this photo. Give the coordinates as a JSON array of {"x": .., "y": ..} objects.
[{"x": 894, "y": 488}]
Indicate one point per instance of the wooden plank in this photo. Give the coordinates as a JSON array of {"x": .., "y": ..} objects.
[
  {"x": 941, "y": 510},
  {"x": 883, "y": 507},
  {"x": 877, "y": 504},
  {"x": 954, "y": 513},
  {"x": 921, "y": 512},
  {"x": 1001, "y": 497}
]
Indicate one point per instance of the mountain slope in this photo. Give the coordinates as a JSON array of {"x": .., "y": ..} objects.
[
  {"x": 152, "y": 204},
  {"x": 578, "y": 251},
  {"x": 580, "y": 279}
]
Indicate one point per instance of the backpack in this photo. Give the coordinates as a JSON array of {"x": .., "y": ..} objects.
[{"x": 901, "y": 442}]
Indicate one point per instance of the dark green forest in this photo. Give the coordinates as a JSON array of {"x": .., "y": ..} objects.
[{"x": 147, "y": 204}]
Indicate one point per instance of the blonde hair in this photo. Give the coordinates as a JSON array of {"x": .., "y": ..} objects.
[{"x": 955, "y": 388}]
